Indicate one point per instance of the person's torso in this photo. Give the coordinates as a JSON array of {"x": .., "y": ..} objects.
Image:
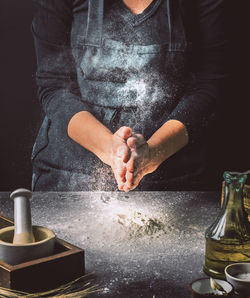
[
  {"x": 132, "y": 70},
  {"x": 132, "y": 61}
]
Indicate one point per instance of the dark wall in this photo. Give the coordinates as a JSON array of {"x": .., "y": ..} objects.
[
  {"x": 232, "y": 145},
  {"x": 234, "y": 133},
  {"x": 19, "y": 109},
  {"x": 20, "y": 115}
]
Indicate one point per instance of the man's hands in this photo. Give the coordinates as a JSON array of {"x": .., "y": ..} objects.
[{"x": 131, "y": 158}]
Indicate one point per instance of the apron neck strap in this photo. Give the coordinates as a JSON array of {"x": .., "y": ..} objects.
[
  {"x": 94, "y": 22},
  {"x": 177, "y": 34}
]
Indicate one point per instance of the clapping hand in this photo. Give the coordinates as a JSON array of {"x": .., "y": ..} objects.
[
  {"x": 140, "y": 163},
  {"x": 120, "y": 154},
  {"x": 132, "y": 159}
]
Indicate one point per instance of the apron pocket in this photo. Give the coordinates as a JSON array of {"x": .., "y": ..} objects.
[
  {"x": 42, "y": 138},
  {"x": 117, "y": 64},
  {"x": 97, "y": 65}
]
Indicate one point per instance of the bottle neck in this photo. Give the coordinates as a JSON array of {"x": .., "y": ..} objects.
[
  {"x": 233, "y": 206},
  {"x": 232, "y": 222}
]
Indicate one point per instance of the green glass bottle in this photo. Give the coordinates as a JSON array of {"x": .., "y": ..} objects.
[{"x": 228, "y": 238}]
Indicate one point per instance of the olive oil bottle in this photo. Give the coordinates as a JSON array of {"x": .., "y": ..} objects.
[{"x": 228, "y": 238}]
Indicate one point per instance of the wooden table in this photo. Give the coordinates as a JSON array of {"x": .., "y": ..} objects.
[{"x": 140, "y": 244}]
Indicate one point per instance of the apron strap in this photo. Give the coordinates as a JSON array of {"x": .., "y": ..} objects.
[
  {"x": 177, "y": 33},
  {"x": 94, "y": 22}
]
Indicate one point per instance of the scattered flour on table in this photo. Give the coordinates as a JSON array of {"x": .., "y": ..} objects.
[
  {"x": 134, "y": 222},
  {"x": 117, "y": 226},
  {"x": 138, "y": 224}
]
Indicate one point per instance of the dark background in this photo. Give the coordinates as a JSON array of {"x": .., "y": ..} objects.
[{"x": 20, "y": 113}]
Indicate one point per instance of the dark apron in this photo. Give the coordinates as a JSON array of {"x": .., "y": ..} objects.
[{"x": 123, "y": 85}]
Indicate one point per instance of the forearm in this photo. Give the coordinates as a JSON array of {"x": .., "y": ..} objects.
[
  {"x": 87, "y": 131},
  {"x": 209, "y": 63},
  {"x": 167, "y": 140}
]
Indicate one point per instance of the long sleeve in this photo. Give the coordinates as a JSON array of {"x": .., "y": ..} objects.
[
  {"x": 197, "y": 108},
  {"x": 56, "y": 78}
]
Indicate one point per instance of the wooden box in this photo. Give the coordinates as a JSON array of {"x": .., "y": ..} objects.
[{"x": 65, "y": 265}]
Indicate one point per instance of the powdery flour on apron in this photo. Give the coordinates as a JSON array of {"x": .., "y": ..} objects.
[{"x": 125, "y": 85}]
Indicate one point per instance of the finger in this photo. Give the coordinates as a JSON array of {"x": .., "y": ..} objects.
[
  {"x": 136, "y": 141},
  {"x": 120, "y": 186},
  {"x": 119, "y": 181},
  {"x": 129, "y": 179},
  {"x": 135, "y": 182},
  {"x": 122, "y": 152},
  {"x": 119, "y": 167},
  {"x": 124, "y": 132},
  {"x": 140, "y": 140},
  {"x": 125, "y": 188},
  {"x": 121, "y": 172},
  {"x": 128, "y": 186},
  {"x": 131, "y": 143},
  {"x": 130, "y": 165}
]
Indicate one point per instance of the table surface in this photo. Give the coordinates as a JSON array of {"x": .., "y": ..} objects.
[{"x": 140, "y": 244}]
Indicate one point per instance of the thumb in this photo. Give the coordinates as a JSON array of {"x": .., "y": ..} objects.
[{"x": 124, "y": 132}]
